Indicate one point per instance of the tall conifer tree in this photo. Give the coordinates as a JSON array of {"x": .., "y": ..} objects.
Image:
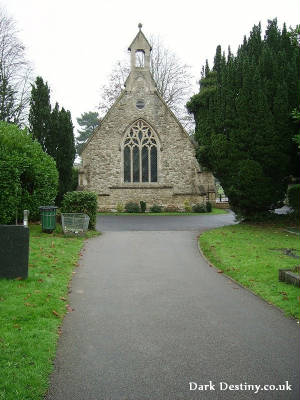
[
  {"x": 54, "y": 130},
  {"x": 243, "y": 119},
  {"x": 40, "y": 111},
  {"x": 88, "y": 121},
  {"x": 65, "y": 150}
]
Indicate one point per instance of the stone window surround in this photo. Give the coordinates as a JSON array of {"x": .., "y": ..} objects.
[{"x": 158, "y": 147}]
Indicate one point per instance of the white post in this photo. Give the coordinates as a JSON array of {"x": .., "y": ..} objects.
[{"x": 25, "y": 220}]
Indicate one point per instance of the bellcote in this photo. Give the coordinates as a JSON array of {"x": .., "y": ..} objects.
[
  {"x": 140, "y": 80},
  {"x": 140, "y": 51}
]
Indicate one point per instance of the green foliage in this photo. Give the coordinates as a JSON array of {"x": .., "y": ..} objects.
[
  {"x": 40, "y": 114},
  {"x": 75, "y": 173},
  {"x": 156, "y": 208},
  {"x": 294, "y": 198},
  {"x": 208, "y": 207},
  {"x": 8, "y": 100},
  {"x": 296, "y": 118},
  {"x": 132, "y": 207},
  {"x": 30, "y": 315},
  {"x": 171, "y": 208},
  {"x": 120, "y": 207},
  {"x": 198, "y": 208},
  {"x": 81, "y": 202},
  {"x": 219, "y": 189},
  {"x": 28, "y": 176},
  {"x": 243, "y": 124},
  {"x": 294, "y": 35},
  {"x": 63, "y": 149},
  {"x": 247, "y": 253},
  {"x": 54, "y": 130},
  {"x": 187, "y": 206},
  {"x": 143, "y": 206},
  {"x": 202, "y": 208},
  {"x": 89, "y": 121}
]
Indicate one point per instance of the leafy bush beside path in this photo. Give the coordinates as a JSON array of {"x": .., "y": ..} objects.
[{"x": 28, "y": 176}]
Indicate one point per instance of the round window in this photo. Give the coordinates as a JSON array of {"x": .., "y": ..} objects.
[{"x": 140, "y": 104}]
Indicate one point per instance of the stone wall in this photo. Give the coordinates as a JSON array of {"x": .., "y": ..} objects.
[
  {"x": 223, "y": 206},
  {"x": 161, "y": 196},
  {"x": 179, "y": 175}
]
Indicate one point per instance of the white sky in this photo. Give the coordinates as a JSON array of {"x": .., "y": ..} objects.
[{"x": 73, "y": 44}]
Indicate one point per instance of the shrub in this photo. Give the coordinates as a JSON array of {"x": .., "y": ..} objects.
[
  {"x": 81, "y": 202},
  {"x": 28, "y": 176},
  {"x": 143, "y": 206},
  {"x": 171, "y": 208},
  {"x": 294, "y": 198},
  {"x": 199, "y": 208},
  {"x": 156, "y": 208},
  {"x": 120, "y": 207},
  {"x": 132, "y": 207},
  {"x": 208, "y": 206},
  {"x": 187, "y": 206}
]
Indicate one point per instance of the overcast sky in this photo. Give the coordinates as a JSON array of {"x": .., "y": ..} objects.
[{"x": 73, "y": 44}]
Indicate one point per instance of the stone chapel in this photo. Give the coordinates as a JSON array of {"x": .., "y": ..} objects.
[{"x": 140, "y": 151}]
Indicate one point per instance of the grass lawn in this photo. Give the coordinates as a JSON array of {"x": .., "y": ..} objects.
[
  {"x": 214, "y": 211},
  {"x": 251, "y": 255},
  {"x": 31, "y": 313}
]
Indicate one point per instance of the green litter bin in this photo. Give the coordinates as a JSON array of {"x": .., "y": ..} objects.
[{"x": 48, "y": 218}]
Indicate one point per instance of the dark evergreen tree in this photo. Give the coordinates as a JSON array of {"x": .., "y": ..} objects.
[
  {"x": 62, "y": 149},
  {"x": 7, "y": 100},
  {"x": 75, "y": 175},
  {"x": 40, "y": 113},
  {"x": 54, "y": 130},
  {"x": 89, "y": 121},
  {"x": 243, "y": 119},
  {"x": 296, "y": 118}
]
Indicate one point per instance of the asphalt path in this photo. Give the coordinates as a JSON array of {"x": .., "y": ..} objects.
[
  {"x": 197, "y": 223},
  {"x": 150, "y": 316}
]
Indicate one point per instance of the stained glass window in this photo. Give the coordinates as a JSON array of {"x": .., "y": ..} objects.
[{"x": 140, "y": 153}]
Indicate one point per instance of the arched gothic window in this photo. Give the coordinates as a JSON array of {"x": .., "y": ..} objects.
[{"x": 140, "y": 152}]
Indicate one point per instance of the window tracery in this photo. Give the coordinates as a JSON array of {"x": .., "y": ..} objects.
[{"x": 140, "y": 154}]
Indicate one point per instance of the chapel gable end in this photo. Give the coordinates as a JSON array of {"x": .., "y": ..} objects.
[{"x": 141, "y": 152}]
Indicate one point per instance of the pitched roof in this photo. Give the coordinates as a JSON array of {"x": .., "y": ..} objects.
[{"x": 139, "y": 37}]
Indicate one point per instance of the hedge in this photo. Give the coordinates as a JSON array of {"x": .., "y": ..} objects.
[
  {"x": 28, "y": 176},
  {"x": 156, "y": 208},
  {"x": 81, "y": 202},
  {"x": 199, "y": 208}
]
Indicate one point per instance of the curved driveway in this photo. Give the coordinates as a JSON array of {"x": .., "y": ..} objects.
[{"x": 150, "y": 316}]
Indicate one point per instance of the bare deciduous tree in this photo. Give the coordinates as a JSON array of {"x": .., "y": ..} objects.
[
  {"x": 115, "y": 85},
  {"x": 15, "y": 73},
  {"x": 172, "y": 78}
]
